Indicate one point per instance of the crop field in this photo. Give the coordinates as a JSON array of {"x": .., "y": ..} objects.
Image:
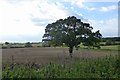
[{"x": 50, "y": 62}]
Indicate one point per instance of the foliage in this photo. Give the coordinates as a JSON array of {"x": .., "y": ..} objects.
[
  {"x": 28, "y": 44},
  {"x": 116, "y": 43},
  {"x": 72, "y": 32},
  {"x": 113, "y": 39},
  {"x": 107, "y": 67},
  {"x": 45, "y": 45},
  {"x": 6, "y": 43}
]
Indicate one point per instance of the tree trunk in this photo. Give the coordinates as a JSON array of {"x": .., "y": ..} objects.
[{"x": 71, "y": 51}]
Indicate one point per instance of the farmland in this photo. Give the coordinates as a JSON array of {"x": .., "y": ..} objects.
[{"x": 51, "y": 62}]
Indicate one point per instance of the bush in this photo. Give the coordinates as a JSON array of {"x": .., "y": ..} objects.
[
  {"x": 16, "y": 47},
  {"x": 102, "y": 44},
  {"x": 45, "y": 45},
  {"x": 4, "y": 47},
  {"x": 108, "y": 42},
  {"x": 28, "y": 44},
  {"x": 6, "y": 43},
  {"x": 116, "y": 43}
]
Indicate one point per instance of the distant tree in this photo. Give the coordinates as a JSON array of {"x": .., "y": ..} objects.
[
  {"x": 72, "y": 32},
  {"x": 6, "y": 43},
  {"x": 28, "y": 44}
]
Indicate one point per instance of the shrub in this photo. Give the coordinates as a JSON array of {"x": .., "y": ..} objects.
[
  {"x": 6, "y": 43},
  {"x": 116, "y": 43},
  {"x": 28, "y": 44},
  {"x": 16, "y": 47},
  {"x": 4, "y": 47},
  {"x": 108, "y": 42},
  {"x": 45, "y": 45}
]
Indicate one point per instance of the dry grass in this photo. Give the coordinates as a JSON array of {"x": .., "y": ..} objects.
[{"x": 45, "y": 55}]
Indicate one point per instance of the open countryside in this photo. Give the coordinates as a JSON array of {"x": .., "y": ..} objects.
[
  {"x": 70, "y": 39},
  {"x": 37, "y": 58}
]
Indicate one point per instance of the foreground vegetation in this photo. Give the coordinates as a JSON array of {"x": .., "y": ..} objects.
[{"x": 107, "y": 67}]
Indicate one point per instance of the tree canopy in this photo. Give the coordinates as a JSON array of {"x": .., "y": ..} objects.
[
  {"x": 72, "y": 32},
  {"x": 6, "y": 43}
]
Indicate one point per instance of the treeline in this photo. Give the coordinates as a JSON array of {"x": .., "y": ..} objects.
[
  {"x": 110, "y": 41},
  {"x": 20, "y": 45},
  {"x": 104, "y": 42}
]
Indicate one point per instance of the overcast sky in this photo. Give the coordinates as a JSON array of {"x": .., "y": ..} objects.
[{"x": 25, "y": 20}]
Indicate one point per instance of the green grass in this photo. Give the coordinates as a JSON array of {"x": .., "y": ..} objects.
[
  {"x": 111, "y": 47},
  {"x": 36, "y": 45},
  {"x": 107, "y": 67}
]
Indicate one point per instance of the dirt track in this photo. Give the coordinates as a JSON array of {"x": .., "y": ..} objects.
[{"x": 45, "y": 55}]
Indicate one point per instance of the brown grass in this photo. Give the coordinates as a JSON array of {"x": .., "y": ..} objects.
[{"x": 46, "y": 55}]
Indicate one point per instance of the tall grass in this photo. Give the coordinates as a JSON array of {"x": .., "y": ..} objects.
[{"x": 107, "y": 67}]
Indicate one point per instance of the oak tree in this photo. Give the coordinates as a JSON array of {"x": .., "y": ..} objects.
[{"x": 71, "y": 31}]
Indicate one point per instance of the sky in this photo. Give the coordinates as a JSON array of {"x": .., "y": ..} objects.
[{"x": 25, "y": 20}]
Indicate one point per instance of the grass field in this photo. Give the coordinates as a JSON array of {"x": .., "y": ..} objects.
[
  {"x": 45, "y": 55},
  {"x": 45, "y": 62},
  {"x": 112, "y": 47}
]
